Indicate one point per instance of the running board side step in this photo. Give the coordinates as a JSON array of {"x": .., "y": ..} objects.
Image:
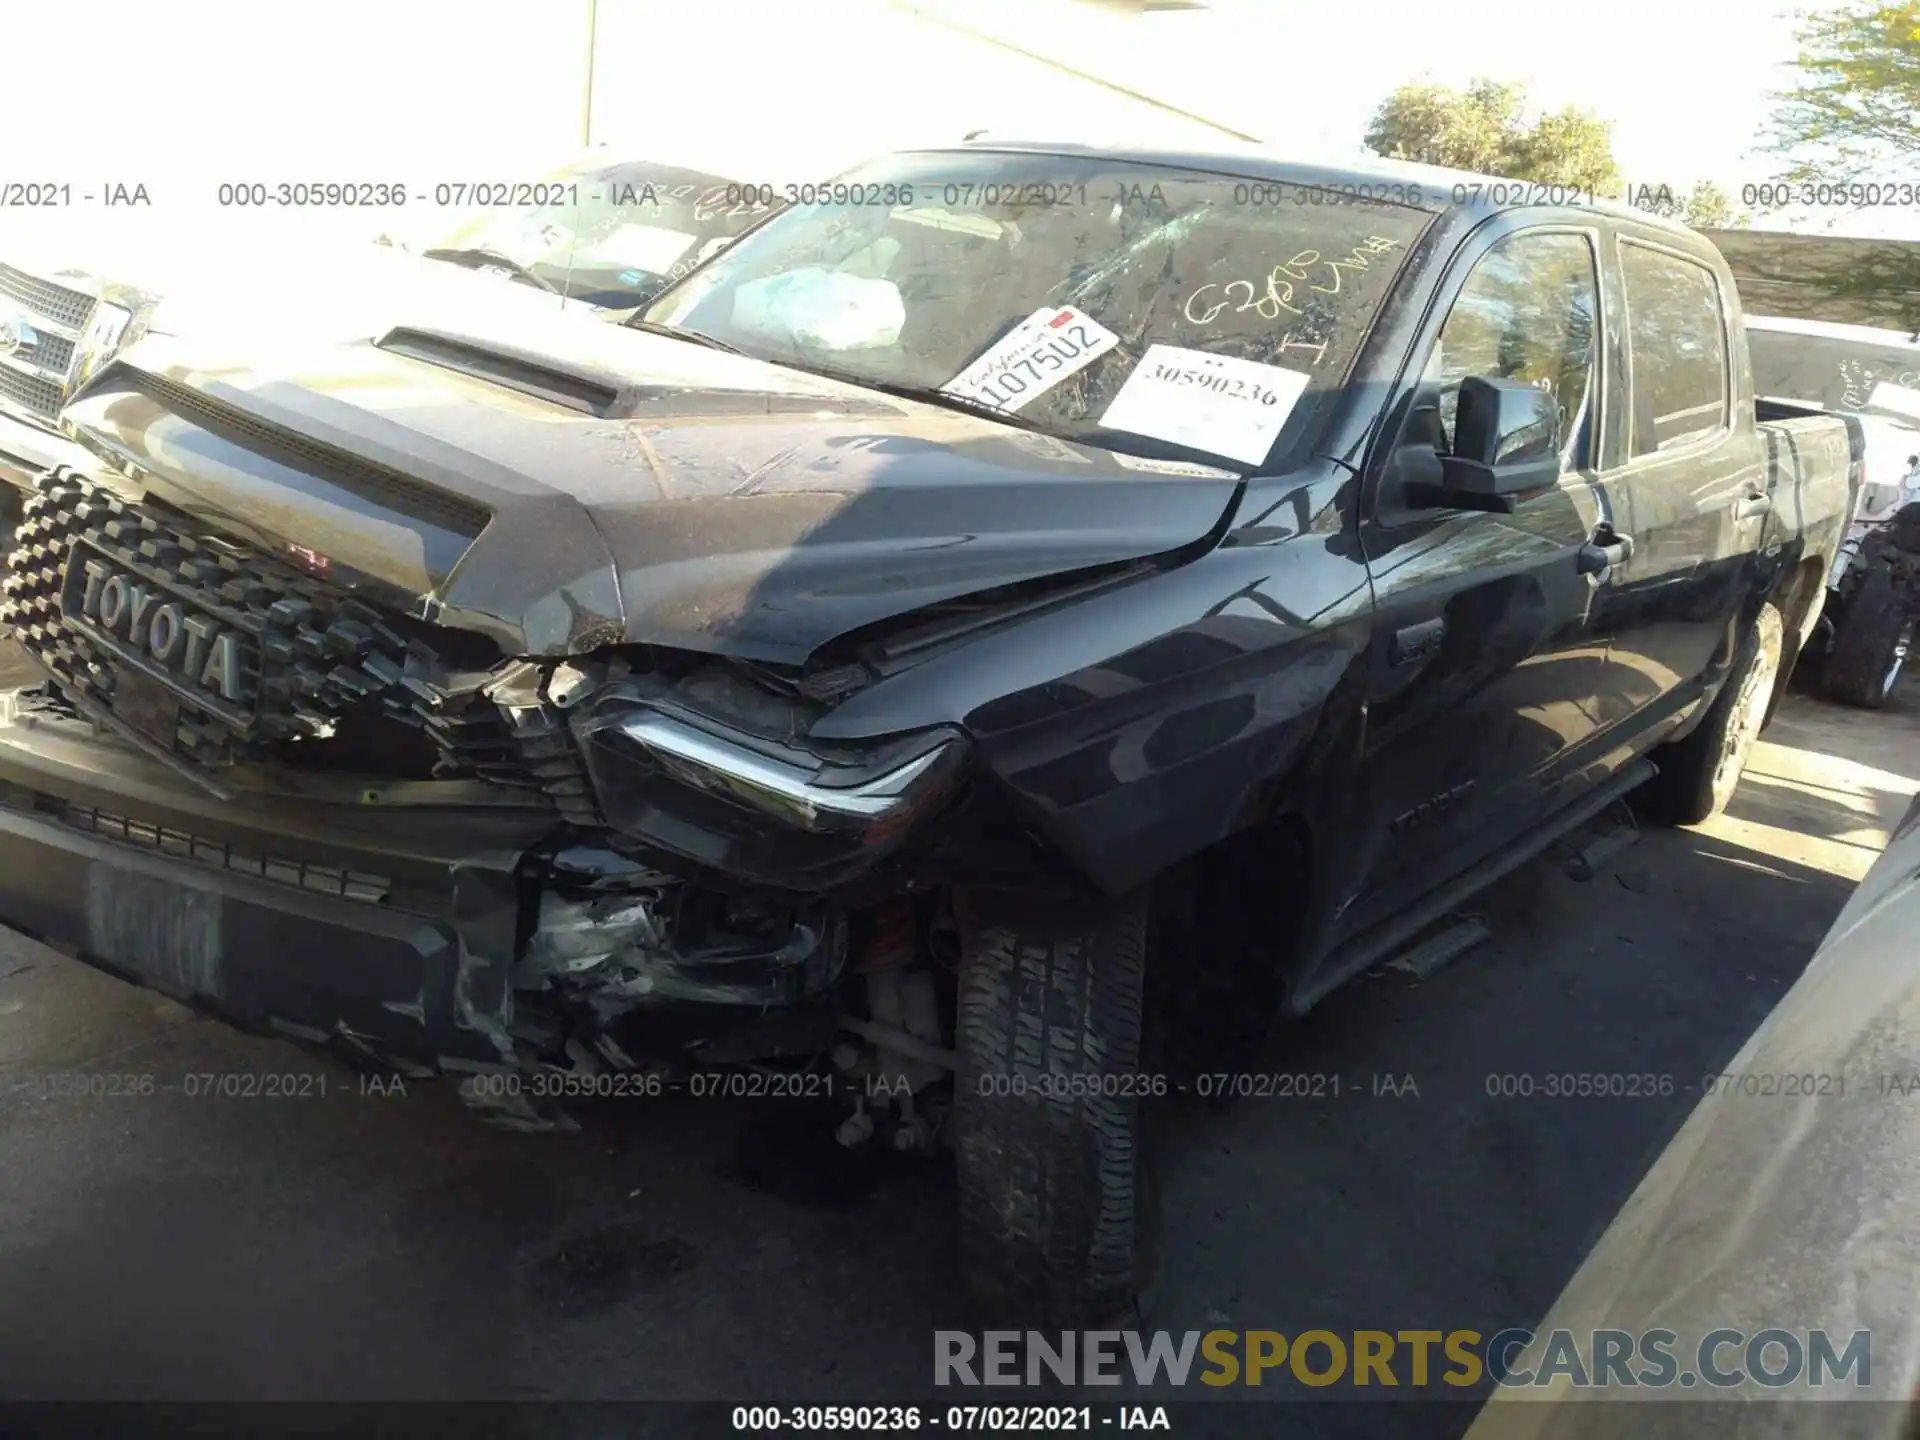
[{"x": 1369, "y": 948}]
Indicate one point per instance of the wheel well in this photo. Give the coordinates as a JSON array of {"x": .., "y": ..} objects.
[
  {"x": 1228, "y": 923},
  {"x": 1797, "y": 594}
]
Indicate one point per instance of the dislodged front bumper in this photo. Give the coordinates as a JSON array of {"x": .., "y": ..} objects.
[
  {"x": 389, "y": 934},
  {"x": 442, "y": 936},
  {"x": 262, "y": 957}
]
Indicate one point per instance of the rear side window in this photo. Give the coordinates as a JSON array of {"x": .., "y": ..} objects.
[{"x": 1676, "y": 328}]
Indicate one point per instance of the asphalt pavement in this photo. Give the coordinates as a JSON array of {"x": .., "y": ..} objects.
[{"x": 354, "y": 1245}]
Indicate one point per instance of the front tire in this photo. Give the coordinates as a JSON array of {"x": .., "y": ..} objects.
[
  {"x": 1870, "y": 646},
  {"x": 1046, "y": 1113},
  {"x": 1699, "y": 774}
]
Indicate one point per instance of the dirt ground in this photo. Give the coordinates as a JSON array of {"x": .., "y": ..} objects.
[{"x": 361, "y": 1247}]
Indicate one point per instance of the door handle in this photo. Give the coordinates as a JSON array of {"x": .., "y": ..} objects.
[
  {"x": 1605, "y": 551},
  {"x": 1752, "y": 504}
]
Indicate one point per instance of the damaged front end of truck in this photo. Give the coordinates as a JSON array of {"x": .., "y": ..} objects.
[
  {"x": 403, "y": 769},
  {"x": 674, "y": 879}
]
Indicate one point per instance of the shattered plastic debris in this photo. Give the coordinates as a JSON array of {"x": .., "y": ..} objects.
[
  {"x": 510, "y": 1108},
  {"x": 576, "y": 936}
]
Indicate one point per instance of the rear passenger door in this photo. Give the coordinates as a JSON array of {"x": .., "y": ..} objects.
[{"x": 1692, "y": 481}]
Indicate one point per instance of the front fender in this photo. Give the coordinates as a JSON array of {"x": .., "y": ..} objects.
[{"x": 1145, "y": 723}]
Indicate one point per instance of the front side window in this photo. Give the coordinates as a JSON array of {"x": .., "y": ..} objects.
[
  {"x": 1136, "y": 307},
  {"x": 1527, "y": 312},
  {"x": 1676, "y": 329}
]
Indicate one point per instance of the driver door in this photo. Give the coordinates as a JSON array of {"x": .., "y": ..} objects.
[{"x": 1491, "y": 652}]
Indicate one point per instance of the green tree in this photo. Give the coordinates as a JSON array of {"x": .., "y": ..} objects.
[
  {"x": 1852, "y": 116},
  {"x": 1708, "y": 207},
  {"x": 1705, "y": 207},
  {"x": 1854, "y": 108},
  {"x": 1485, "y": 128}
]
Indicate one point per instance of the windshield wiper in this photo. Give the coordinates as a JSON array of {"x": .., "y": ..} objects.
[
  {"x": 692, "y": 337},
  {"x": 478, "y": 257}
]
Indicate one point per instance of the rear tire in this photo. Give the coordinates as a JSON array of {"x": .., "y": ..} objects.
[
  {"x": 1046, "y": 1113},
  {"x": 1870, "y": 646},
  {"x": 1698, "y": 774}
]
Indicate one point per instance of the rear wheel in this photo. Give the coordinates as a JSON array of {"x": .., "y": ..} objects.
[
  {"x": 1870, "y": 645},
  {"x": 1699, "y": 773},
  {"x": 1046, "y": 1112}
]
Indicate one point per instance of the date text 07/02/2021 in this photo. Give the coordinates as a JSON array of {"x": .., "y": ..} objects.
[{"x": 960, "y": 1419}]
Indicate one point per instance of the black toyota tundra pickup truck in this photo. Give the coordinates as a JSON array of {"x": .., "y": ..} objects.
[{"x": 1035, "y": 604}]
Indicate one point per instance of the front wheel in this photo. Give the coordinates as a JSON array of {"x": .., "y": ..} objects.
[
  {"x": 1698, "y": 774},
  {"x": 1046, "y": 1112}
]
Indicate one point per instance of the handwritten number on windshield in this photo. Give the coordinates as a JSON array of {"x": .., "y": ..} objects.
[
  {"x": 1280, "y": 282},
  {"x": 1268, "y": 306},
  {"x": 717, "y": 201}
]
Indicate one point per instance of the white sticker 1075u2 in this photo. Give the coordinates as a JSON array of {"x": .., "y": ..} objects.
[
  {"x": 1054, "y": 342},
  {"x": 1216, "y": 403}
]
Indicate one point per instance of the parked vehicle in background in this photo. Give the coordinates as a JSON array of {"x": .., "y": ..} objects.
[
  {"x": 607, "y": 231},
  {"x": 1032, "y": 604},
  {"x": 604, "y": 234},
  {"x": 52, "y": 336},
  {"x": 1783, "y": 1205},
  {"x": 1866, "y": 632}
]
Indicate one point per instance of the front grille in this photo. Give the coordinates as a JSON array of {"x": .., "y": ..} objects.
[
  {"x": 31, "y": 393},
  {"x": 46, "y": 306},
  {"x": 305, "y": 653},
  {"x": 300, "y": 874},
  {"x": 51, "y": 352},
  {"x": 63, "y": 306}
]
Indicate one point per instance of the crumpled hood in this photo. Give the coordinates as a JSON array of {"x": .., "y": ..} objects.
[{"x": 717, "y": 503}]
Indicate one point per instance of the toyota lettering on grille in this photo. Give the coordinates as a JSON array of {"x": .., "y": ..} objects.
[{"x": 175, "y": 641}]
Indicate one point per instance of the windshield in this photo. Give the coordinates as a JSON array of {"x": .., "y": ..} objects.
[
  {"x": 613, "y": 235},
  {"x": 1136, "y": 307}
]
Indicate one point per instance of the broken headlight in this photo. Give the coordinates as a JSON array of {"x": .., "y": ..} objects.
[{"x": 780, "y": 813}]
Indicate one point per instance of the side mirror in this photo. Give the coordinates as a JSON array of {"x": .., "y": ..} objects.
[{"x": 1506, "y": 440}]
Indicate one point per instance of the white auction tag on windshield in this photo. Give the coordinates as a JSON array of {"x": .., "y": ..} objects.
[
  {"x": 1899, "y": 398},
  {"x": 1054, "y": 342},
  {"x": 1217, "y": 403},
  {"x": 640, "y": 247},
  {"x": 1171, "y": 467}
]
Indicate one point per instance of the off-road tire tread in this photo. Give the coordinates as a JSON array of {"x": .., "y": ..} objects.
[
  {"x": 1047, "y": 1181},
  {"x": 1856, "y": 669}
]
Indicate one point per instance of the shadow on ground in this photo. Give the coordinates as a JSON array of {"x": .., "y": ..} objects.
[{"x": 352, "y": 1245}]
